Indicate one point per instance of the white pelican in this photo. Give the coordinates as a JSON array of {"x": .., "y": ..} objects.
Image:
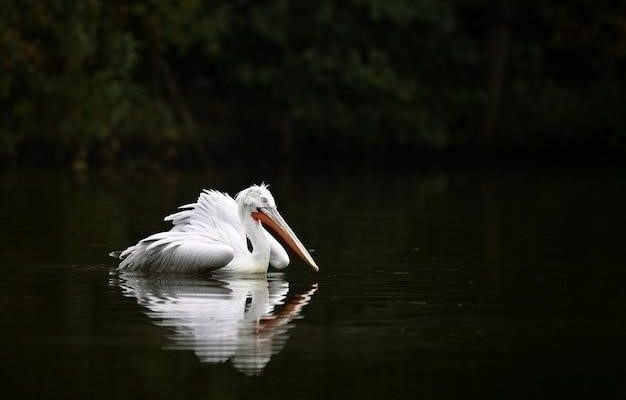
[
  {"x": 211, "y": 235},
  {"x": 245, "y": 320}
]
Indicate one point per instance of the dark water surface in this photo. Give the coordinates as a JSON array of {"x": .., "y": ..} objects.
[{"x": 432, "y": 285}]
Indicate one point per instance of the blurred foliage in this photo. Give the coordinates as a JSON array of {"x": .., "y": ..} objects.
[{"x": 103, "y": 80}]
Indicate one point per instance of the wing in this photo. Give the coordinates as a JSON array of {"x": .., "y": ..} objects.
[
  {"x": 176, "y": 252},
  {"x": 206, "y": 235},
  {"x": 214, "y": 213}
]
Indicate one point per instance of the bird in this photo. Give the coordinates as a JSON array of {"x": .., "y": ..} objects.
[{"x": 211, "y": 235}]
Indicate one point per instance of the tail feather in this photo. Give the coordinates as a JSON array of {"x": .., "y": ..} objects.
[{"x": 116, "y": 254}]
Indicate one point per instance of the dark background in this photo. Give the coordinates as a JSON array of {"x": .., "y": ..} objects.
[
  {"x": 157, "y": 83},
  {"x": 447, "y": 282}
]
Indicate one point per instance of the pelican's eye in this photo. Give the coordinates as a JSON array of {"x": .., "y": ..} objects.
[{"x": 264, "y": 200}]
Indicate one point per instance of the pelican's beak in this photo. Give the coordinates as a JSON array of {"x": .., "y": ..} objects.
[{"x": 271, "y": 218}]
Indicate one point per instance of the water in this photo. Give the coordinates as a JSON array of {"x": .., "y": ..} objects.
[{"x": 432, "y": 285}]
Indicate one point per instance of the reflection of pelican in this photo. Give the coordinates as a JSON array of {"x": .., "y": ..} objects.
[
  {"x": 244, "y": 320},
  {"x": 211, "y": 234}
]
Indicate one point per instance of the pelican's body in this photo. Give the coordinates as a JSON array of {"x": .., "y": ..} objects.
[{"x": 212, "y": 234}]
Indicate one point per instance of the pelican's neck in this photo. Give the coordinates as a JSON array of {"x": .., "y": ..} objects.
[{"x": 260, "y": 243}]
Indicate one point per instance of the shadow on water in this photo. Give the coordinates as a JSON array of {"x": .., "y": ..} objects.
[{"x": 244, "y": 320}]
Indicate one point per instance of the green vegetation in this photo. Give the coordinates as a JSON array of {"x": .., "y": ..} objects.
[{"x": 102, "y": 81}]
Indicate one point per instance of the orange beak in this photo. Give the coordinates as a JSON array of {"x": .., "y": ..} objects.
[{"x": 270, "y": 217}]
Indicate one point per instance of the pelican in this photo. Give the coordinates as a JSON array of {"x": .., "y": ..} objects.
[{"x": 211, "y": 234}]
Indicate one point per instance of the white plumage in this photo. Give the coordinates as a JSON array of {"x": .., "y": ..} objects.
[{"x": 212, "y": 234}]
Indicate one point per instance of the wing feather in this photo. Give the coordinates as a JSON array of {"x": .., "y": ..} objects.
[
  {"x": 177, "y": 252},
  {"x": 205, "y": 235},
  {"x": 214, "y": 212}
]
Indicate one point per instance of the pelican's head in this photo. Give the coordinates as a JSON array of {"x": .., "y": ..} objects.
[
  {"x": 258, "y": 203},
  {"x": 256, "y": 196}
]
